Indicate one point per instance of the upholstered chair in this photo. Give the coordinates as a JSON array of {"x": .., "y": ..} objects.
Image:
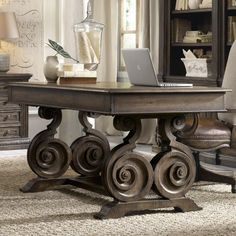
[{"x": 214, "y": 139}]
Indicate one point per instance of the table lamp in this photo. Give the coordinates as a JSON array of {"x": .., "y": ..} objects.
[
  {"x": 88, "y": 38},
  {"x": 8, "y": 30}
]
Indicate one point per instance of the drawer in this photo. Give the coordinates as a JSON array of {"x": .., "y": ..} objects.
[
  {"x": 9, "y": 132},
  {"x": 3, "y": 99},
  {"x": 9, "y": 117},
  {"x": 3, "y": 93},
  {"x": 4, "y": 105}
]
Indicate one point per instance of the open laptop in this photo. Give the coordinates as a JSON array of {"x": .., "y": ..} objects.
[{"x": 141, "y": 71}]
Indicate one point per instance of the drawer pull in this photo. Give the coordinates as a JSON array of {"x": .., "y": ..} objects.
[
  {"x": 6, "y": 133},
  {"x": 6, "y": 117}
]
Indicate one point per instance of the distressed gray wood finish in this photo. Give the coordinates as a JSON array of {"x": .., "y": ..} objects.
[
  {"x": 120, "y": 173},
  {"x": 119, "y": 98},
  {"x": 13, "y": 118}
]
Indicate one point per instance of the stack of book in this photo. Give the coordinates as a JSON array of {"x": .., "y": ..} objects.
[
  {"x": 181, "y": 5},
  {"x": 206, "y": 4},
  {"x": 231, "y": 29},
  {"x": 231, "y": 3},
  {"x": 76, "y": 74},
  {"x": 197, "y": 37}
]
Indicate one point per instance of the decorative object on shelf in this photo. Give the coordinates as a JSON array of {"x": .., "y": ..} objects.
[
  {"x": 88, "y": 38},
  {"x": 194, "y": 4},
  {"x": 50, "y": 70},
  {"x": 196, "y": 67},
  {"x": 8, "y": 30},
  {"x": 181, "y": 5},
  {"x": 206, "y": 4}
]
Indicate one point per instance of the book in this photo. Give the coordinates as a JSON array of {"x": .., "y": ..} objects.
[
  {"x": 206, "y": 4},
  {"x": 234, "y": 30},
  {"x": 177, "y": 5},
  {"x": 78, "y": 77},
  {"x": 77, "y": 80},
  {"x": 230, "y": 29},
  {"x": 181, "y": 5}
]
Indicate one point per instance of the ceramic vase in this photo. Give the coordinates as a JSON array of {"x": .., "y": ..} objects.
[
  {"x": 194, "y": 4},
  {"x": 51, "y": 69}
]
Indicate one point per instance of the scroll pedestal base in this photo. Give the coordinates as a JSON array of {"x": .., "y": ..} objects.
[{"x": 113, "y": 209}]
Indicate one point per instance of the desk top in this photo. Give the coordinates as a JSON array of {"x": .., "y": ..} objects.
[{"x": 119, "y": 98}]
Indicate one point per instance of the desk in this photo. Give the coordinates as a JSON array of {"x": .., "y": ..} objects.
[{"x": 121, "y": 173}]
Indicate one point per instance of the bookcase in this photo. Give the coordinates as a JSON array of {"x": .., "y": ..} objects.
[{"x": 217, "y": 25}]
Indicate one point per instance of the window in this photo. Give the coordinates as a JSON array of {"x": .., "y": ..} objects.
[{"x": 129, "y": 14}]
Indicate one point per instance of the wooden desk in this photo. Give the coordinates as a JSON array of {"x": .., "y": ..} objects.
[
  {"x": 13, "y": 118},
  {"x": 120, "y": 173}
]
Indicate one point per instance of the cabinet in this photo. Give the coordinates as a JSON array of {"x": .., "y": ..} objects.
[
  {"x": 13, "y": 117},
  {"x": 216, "y": 20}
]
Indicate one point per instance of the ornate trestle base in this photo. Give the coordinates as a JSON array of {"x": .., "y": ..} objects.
[{"x": 120, "y": 173}]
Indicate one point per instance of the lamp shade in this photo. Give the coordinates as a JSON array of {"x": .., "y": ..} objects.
[{"x": 8, "y": 26}]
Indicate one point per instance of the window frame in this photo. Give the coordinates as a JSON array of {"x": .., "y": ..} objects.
[{"x": 122, "y": 32}]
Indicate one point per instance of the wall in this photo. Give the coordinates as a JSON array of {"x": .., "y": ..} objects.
[
  {"x": 39, "y": 20},
  {"x": 29, "y": 14}
]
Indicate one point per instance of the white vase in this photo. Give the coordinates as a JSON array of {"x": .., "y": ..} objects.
[
  {"x": 194, "y": 4},
  {"x": 51, "y": 69}
]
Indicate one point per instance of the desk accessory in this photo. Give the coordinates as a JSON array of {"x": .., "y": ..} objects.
[{"x": 8, "y": 30}]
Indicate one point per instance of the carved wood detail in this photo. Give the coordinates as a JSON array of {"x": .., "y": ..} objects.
[
  {"x": 90, "y": 151},
  {"x": 49, "y": 157},
  {"x": 174, "y": 167},
  {"x": 127, "y": 176}
]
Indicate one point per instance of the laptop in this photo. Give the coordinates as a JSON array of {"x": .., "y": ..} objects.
[{"x": 141, "y": 71}]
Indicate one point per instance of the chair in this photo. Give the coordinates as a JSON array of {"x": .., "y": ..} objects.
[{"x": 214, "y": 140}]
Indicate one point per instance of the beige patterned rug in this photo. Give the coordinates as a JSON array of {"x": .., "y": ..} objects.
[{"x": 70, "y": 211}]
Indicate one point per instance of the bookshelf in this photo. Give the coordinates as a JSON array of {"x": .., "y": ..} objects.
[{"x": 214, "y": 42}]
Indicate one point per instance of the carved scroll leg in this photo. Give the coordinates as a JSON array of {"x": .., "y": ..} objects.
[
  {"x": 49, "y": 158},
  {"x": 126, "y": 176},
  {"x": 89, "y": 152},
  {"x": 174, "y": 167}
]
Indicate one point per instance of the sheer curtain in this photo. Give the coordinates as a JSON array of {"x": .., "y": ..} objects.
[
  {"x": 149, "y": 39},
  {"x": 70, "y": 129},
  {"x": 106, "y": 12}
]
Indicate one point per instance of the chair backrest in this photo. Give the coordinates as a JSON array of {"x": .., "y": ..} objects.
[{"x": 229, "y": 81}]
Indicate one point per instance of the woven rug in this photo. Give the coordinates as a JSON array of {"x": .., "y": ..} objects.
[{"x": 69, "y": 211}]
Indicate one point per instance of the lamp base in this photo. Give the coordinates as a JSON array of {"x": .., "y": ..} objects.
[{"x": 4, "y": 62}]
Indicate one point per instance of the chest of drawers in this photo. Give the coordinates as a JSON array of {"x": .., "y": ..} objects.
[{"x": 13, "y": 117}]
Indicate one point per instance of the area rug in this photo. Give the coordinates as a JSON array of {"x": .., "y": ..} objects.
[{"x": 69, "y": 211}]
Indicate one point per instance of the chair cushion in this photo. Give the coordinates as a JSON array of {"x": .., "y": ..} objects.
[{"x": 210, "y": 134}]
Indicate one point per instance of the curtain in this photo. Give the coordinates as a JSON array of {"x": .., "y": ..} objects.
[
  {"x": 106, "y": 12},
  {"x": 70, "y": 128},
  {"x": 149, "y": 38}
]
